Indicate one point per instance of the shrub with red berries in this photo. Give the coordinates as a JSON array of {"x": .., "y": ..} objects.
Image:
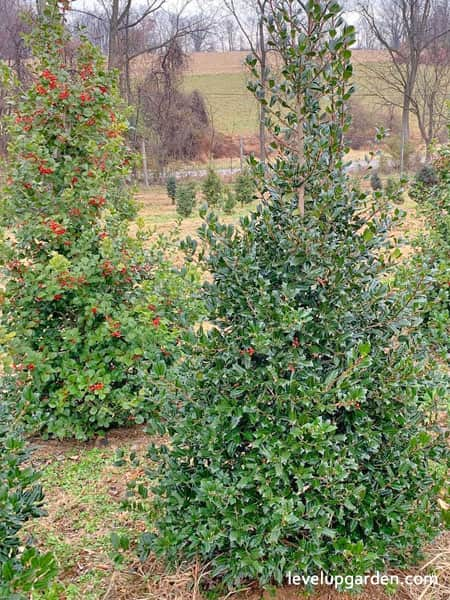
[{"x": 79, "y": 337}]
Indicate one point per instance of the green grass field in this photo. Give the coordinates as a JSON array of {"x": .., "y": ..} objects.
[{"x": 233, "y": 109}]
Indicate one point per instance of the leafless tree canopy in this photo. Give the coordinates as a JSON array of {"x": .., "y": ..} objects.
[
  {"x": 175, "y": 123},
  {"x": 127, "y": 29},
  {"x": 415, "y": 33},
  {"x": 13, "y": 25}
]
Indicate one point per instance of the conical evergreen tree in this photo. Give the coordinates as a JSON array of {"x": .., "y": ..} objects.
[{"x": 306, "y": 439}]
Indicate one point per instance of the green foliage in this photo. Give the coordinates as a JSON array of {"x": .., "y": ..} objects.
[
  {"x": 229, "y": 202},
  {"x": 433, "y": 255},
  {"x": 375, "y": 182},
  {"x": 171, "y": 186},
  {"x": 305, "y": 437},
  {"x": 304, "y": 440},
  {"x": 394, "y": 189},
  {"x": 244, "y": 187},
  {"x": 185, "y": 199},
  {"x": 81, "y": 341},
  {"x": 303, "y": 100},
  {"x": 22, "y": 568},
  {"x": 212, "y": 188}
]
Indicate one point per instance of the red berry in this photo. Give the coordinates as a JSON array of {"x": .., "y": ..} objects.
[{"x": 95, "y": 387}]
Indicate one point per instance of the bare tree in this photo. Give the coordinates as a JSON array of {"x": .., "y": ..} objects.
[
  {"x": 404, "y": 29},
  {"x": 254, "y": 32},
  {"x": 175, "y": 123},
  {"x": 366, "y": 38},
  {"x": 230, "y": 30},
  {"x": 13, "y": 26},
  {"x": 201, "y": 29},
  {"x": 13, "y": 50},
  {"x": 432, "y": 90},
  {"x": 134, "y": 29}
]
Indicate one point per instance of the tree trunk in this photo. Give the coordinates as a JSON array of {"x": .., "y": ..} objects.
[
  {"x": 144, "y": 163},
  {"x": 262, "y": 109},
  {"x": 40, "y": 5},
  {"x": 405, "y": 132},
  {"x": 126, "y": 76},
  {"x": 113, "y": 46},
  {"x": 300, "y": 155}
]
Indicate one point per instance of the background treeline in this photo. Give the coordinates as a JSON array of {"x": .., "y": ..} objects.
[{"x": 403, "y": 86}]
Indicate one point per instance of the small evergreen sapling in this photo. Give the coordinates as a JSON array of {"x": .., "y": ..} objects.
[
  {"x": 212, "y": 188},
  {"x": 375, "y": 182},
  {"x": 425, "y": 179},
  {"x": 427, "y": 175},
  {"x": 171, "y": 187},
  {"x": 229, "y": 202},
  {"x": 245, "y": 187},
  {"x": 185, "y": 199}
]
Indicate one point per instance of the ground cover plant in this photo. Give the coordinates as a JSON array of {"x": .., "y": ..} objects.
[
  {"x": 22, "y": 568},
  {"x": 308, "y": 438}
]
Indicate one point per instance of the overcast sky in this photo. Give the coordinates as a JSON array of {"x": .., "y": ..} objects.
[{"x": 191, "y": 6}]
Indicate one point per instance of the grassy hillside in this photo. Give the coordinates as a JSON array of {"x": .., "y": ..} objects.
[
  {"x": 233, "y": 110},
  {"x": 221, "y": 78}
]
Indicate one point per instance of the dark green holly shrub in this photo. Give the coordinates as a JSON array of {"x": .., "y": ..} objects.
[
  {"x": 185, "y": 199},
  {"x": 375, "y": 182},
  {"x": 171, "y": 186},
  {"x": 22, "y": 568},
  {"x": 425, "y": 179},
  {"x": 229, "y": 202},
  {"x": 244, "y": 187},
  {"x": 212, "y": 188},
  {"x": 81, "y": 340},
  {"x": 427, "y": 175},
  {"x": 305, "y": 437}
]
